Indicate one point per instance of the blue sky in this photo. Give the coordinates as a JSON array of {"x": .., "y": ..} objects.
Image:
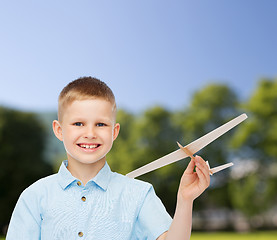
[{"x": 148, "y": 52}]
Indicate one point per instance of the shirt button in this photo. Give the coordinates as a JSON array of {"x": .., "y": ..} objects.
[
  {"x": 80, "y": 234},
  {"x": 79, "y": 183},
  {"x": 83, "y": 199}
]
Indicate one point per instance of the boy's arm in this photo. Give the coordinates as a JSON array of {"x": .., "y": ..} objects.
[
  {"x": 25, "y": 220},
  {"x": 192, "y": 184}
]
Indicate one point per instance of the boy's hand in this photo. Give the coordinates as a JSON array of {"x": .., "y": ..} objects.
[{"x": 192, "y": 183}]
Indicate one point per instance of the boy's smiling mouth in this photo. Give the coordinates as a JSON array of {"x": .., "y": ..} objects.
[{"x": 88, "y": 146}]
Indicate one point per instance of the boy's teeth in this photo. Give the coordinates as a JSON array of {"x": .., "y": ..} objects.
[{"x": 88, "y": 146}]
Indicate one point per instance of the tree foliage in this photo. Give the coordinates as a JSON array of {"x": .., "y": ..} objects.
[
  {"x": 257, "y": 140},
  {"x": 210, "y": 107},
  {"x": 22, "y": 141},
  {"x": 123, "y": 155},
  {"x": 154, "y": 133}
]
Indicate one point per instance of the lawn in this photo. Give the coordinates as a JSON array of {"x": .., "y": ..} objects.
[{"x": 237, "y": 236}]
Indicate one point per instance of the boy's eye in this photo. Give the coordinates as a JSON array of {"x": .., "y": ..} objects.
[
  {"x": 101, "y": 124},
  {"x": 78, "y": 124}
]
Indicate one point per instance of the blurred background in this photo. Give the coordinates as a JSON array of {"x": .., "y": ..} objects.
[{"x": 178, "y": 70}]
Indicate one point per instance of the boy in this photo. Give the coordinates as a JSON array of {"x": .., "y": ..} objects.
[{"x": 85, "y": 200}]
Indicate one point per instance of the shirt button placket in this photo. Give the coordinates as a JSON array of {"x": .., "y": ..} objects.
[{"x": 81, "y": 234}]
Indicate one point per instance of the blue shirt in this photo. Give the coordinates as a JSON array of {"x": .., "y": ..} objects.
[{"x": 109, "y": 207}]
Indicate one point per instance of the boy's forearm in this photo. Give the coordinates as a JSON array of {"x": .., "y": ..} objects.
[
  {"x": 192, "y": 184},
  {"x": 182, "y": 221}
]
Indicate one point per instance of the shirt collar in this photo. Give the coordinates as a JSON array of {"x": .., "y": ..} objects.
[{"x": 102, "y": 179}]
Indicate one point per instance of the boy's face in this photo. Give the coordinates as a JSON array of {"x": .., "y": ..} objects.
[{"x": 87, "y": 130}]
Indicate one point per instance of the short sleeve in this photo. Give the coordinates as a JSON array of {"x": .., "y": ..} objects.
[
  {"x": 153, "y": 219},
  {"x": 25, "y": 220}
]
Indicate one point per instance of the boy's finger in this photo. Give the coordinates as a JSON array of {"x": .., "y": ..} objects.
[
  {"x": 204, "y": 170},
  {"x": 201, "y": 161},
  {"x": 203, "y": 177},
  {"x": 190, "y": 167}
]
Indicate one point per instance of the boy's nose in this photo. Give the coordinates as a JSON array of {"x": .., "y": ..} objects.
[{"x": 90, "y": 133}]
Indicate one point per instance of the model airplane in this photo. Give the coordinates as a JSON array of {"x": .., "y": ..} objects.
[{"x": 191, "y": 149}]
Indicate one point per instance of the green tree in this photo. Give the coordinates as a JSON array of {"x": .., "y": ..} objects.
[
  {"x": 123, "y": 156},
  {"x": 143, "y": 139},
  {"x": 157, "y": 137},
  {"x": 210, "y": 107},
  {"x": 257, "y": 141},
  {"x": 22, "y": 142},
  {"x": 154, "y": 134}
]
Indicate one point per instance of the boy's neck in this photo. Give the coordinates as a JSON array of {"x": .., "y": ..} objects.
[{"x": 85, "y": 172}]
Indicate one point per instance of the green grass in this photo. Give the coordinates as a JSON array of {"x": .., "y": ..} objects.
[{"x": 235, "y": 236}]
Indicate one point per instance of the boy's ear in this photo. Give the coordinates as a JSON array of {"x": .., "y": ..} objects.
[
  {"x": 116, "y": 130},
  {"x": 57, "y": 129}
]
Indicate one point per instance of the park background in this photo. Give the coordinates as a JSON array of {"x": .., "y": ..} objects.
[{"x": 178, "y": 69}]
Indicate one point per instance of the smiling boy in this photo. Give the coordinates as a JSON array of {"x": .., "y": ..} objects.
[
  {"x": 85, "y": 199},
  {"x": 87, "y": 129}
]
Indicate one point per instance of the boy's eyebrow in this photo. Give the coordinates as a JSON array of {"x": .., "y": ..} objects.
[{"x": 76, "y": 119}]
